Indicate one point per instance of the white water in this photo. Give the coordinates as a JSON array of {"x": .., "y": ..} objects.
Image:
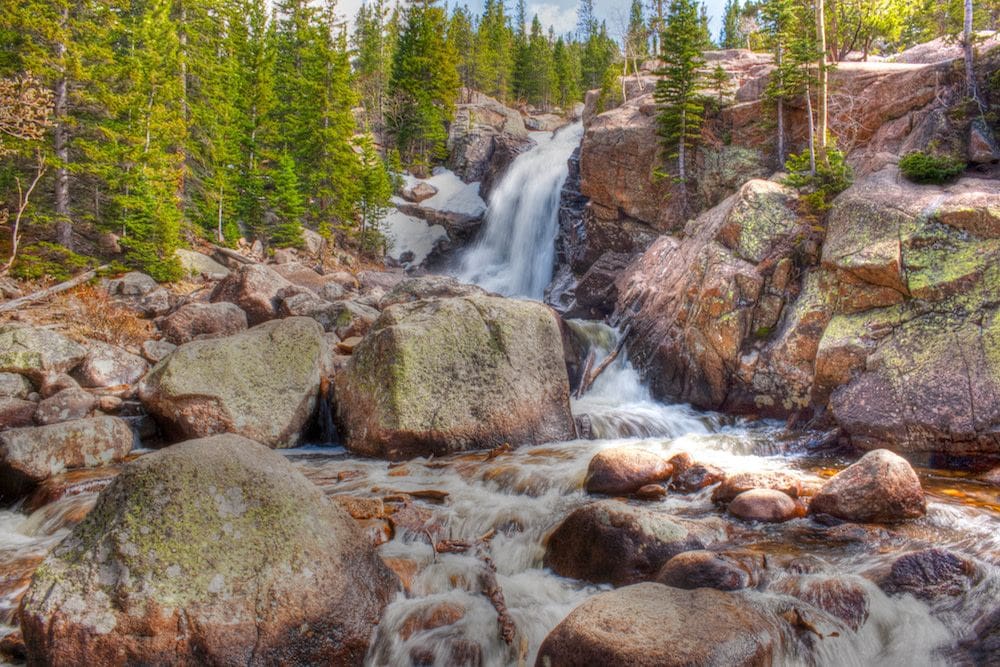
[{"x": 516, "y": 252}]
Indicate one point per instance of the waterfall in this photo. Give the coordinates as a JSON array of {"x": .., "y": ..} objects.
[{"x": 514, "y": 255}]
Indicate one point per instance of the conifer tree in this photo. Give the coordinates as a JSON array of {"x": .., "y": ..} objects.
[
  {"x": 375, "y": 197},
  {"x": 523, "y": 68},
  {"x": 425, "y": 82},
  {"x": 496, "y": 51},
  {"x": 287, "y": 205},
  {"x": 567, "y": 73},
  {"x": 677, "y": 89},
  {"x": 462, "y": 38},
  {"x": 373, "y": 61},
  {"x": 730, "y": 37},
  {"x": 637, "y": 36},
  {"x": 538, "y": 84}
]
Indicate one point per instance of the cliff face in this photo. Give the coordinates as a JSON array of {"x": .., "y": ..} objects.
[{"x": 880, "y": 318}]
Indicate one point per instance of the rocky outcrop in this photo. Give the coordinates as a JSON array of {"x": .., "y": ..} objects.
[
  {"x": 32, "y": 454},
  {"x": 869, "y": 334},
  {"x": 438, "y": 376},
  {"x": 656, "y": 625},
  {"x": 695, "y": 304},
  {"x": 483, "y": 139},
  {"x": 261, "y": 384},
  {"x": 211, "y": 551}
]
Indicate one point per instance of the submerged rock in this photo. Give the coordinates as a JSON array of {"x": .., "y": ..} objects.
[
  {"x": 29, "y": 455},
  {"x": 611, "y": 542},
  {"x": 624, "y": 470},
  {"x": 844, "y": 597},
  {"x": 261, "y": 383},
  {"x": 652, "y": 625},
  {"x": 213, "y": 551},
  {"x": 766, "y": 505},
  {"x": 930, "y": 573},
  {"x": 880, "y": 487},
  {"x": 721, "y": 570},
  {"x": 447, "y": 375}
]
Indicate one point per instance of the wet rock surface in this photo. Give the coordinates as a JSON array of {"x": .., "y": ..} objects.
[{"x": 880, "y": 487}]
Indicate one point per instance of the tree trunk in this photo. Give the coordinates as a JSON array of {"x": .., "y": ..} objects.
[
  {"x": 781, "y": 111},
  {"x": 681, "y": 171},
  {"x": 970, "y": 72},
  {"x": 812, "y": 133},
  {"x": 60, "y": 141},
  {"x": 821, "y": 95}
]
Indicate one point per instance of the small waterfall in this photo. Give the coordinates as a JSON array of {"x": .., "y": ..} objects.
[
  {"x": 515, "y": 254},
  {"x": 619, "y": 405}
]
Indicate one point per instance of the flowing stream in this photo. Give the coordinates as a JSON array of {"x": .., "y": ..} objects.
[{"x": 520, "y": 496}]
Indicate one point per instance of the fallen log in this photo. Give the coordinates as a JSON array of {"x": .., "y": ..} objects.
[
  {"x": 40, "y": 295},
  {"x": 232, "y": 254}
]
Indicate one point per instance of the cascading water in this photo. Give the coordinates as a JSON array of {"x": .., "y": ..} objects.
[{"x": 515, "y": 254}]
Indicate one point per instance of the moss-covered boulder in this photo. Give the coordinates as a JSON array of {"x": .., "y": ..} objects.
[
  {"x": 213, "y": 551},
  {"x": 261, "y": 383},
  {"x": 35, "y": 352},
  {"x": 446, "y": 375}
]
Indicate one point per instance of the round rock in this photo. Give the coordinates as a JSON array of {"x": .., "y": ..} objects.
[{"x": 623, "y": 470}]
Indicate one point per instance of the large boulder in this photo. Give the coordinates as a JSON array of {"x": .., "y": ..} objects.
[
  {"x": 197, "y": 321},
  {"x": 66, "y": 405},
  {"x": 36, "y": 352},
  {"x": 261, "y": 383},
  {"x": 254, "y": 288},
  {"x": 13, "y": 385},
  {"x": 439, "y": 376},
  {"x": 652, "y": 625},
  {"x": 213, "y": 551},
  {"x": 611, "y": 542},
  {"x": 198, "y": 265},
  {"x": 29, "y": 455},
  {"x": 880, "y": 487}
]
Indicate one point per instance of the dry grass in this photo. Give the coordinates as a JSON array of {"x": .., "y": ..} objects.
[{"x": 92, "y": 313}]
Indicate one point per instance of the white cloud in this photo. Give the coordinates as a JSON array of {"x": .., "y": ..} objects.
[{"x": 562, "y": 19}]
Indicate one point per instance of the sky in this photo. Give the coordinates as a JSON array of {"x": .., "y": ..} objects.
[{"x": 561, "y": 14}]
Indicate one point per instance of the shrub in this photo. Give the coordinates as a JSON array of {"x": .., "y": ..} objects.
[
  {"x": 921, "y": 167},
  {"x": 49, "y": 260},
  {"x": 97, "y": 316},
  {"x": 820, "y": 188}
]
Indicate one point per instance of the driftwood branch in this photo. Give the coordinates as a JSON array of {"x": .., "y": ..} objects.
[
  {"x": 588, "y": 379},
  {"x": 588, "y": 364},
  {"x": 232, "y": 254},
  {"x": 14, "y": 304}
]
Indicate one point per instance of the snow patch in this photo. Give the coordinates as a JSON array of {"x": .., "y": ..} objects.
[
  {"x": 406, "y": 234},
  {"x": 453, "y": 195}
]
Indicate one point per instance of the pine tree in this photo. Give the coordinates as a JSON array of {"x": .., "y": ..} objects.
[
  {"x": 335, "y": 183},
  {"x": 425, "y": 82},
  {"x": 567, "y": 74},
  {"x": 252, "y": 46},
  {"x": 677, "y": 89},
  {"x": 153, "y": 137},
  {"x": 704, "y": 32},
  {"x": 375, "y": 198},
  {"x": 523, "y": 66},
  {"x": 287, "y": 204},
  {"x": 538, "y": 82},
  {"x": 496, "y": 51},
  {"x": 637, "y": 37},
  {"x": 462, "y": 37},
  {"x": 373, "y": 61},
  {"x": 730, "y": 37},
  {"x": 782, "y": 25}
]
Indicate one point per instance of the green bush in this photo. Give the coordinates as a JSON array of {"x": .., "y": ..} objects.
[
  {"x": 49, "y": 260},
  {"x": 830, "y": 179},
  {"x": 921, "y": 167}
]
